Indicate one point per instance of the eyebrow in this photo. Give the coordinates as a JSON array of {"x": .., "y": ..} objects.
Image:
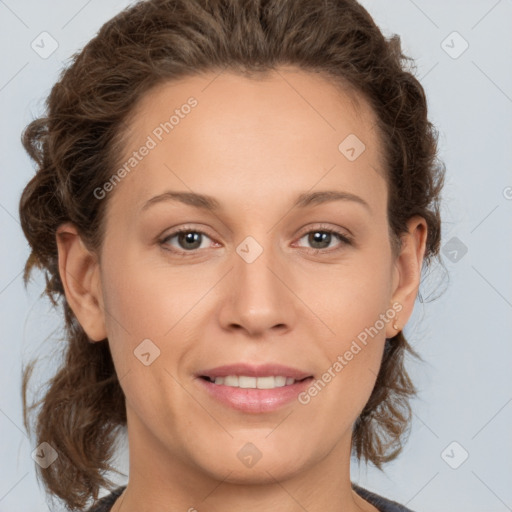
[{"x": 209, "y": 203}]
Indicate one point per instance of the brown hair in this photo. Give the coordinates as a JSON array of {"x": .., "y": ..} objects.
[{"x": 75, "y": 147}]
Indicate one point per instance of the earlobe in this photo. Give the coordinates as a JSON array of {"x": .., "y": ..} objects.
[
  {"x": 407, "y": 268},
  {"x": 79, "y": 273}
]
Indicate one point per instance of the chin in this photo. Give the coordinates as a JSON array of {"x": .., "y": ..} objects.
[
  {"x": 262, "y": 473},
  {"x": 259, "y": 461}
]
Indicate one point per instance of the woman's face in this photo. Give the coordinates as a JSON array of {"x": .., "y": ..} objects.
[{"x": 255, "y": 295}]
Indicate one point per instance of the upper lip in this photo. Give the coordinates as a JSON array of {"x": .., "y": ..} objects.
[{"x": 251, "y": 370}]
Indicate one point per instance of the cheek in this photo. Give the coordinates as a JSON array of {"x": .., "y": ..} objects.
[
  {"x": 146, "y": 299},
  {"x": 350, "y": 298},
  {"x": 149, "y": 300},
  {"x": 143, "y": 311},
  {"x": 355, "y": 304}
]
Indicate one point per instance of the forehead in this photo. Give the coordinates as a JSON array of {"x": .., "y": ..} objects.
[{"x": 217, "y": 132}]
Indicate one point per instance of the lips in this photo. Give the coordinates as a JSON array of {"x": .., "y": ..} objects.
[{"x": 254, "y": 389}]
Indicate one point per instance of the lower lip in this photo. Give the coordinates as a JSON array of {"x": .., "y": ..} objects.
[{"x": 255, "y": 400}]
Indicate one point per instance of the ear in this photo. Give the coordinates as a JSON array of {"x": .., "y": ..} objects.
[
  {"x": 407, "y": 272},
  {"x": 80, "y": 276}
]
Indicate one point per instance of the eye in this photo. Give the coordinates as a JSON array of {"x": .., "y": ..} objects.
[
  {"x": 188, "y": 240},
  {"x": 321, "y": 238}
]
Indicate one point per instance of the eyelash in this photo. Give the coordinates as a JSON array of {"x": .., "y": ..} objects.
[{"x": 342, "y": 237}]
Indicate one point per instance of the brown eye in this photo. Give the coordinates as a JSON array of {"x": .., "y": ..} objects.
[{"x": 187, "y": 240}]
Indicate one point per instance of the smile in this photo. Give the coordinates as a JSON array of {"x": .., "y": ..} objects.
[
  {"x": 251, "y": 388},
  {"x": 249, "y": 382}
]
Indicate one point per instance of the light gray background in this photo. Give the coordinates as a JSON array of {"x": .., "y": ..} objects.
[{"x": 464, "y": 336}]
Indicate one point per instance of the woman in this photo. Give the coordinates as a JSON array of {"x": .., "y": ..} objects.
[{"x": 234, "y": 203}]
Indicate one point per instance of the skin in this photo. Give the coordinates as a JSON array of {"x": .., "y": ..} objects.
[{"x": 254, "y": 145}]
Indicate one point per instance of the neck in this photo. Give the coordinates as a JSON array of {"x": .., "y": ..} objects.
[{"x": 160, "y": 481}]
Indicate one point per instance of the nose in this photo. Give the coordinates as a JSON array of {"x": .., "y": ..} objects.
[{"x": 258, "y": 293}]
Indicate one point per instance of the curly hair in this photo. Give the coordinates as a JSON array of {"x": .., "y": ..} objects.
[{"x": 75, "y": 148}]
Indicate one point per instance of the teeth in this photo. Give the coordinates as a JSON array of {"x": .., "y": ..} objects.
[
  {"x": 244, "y": 381},
  {"x": 231, "y": 380}
]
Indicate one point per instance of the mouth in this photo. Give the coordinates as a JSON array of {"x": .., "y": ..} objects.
[
  {"x": 249, "y": 382},
  {"x": 254, "y": 389}
]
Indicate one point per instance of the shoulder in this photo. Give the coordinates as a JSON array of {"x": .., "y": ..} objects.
[
  {"x": 383, "y": 504},
  {"x": 105, "y": 503}
]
